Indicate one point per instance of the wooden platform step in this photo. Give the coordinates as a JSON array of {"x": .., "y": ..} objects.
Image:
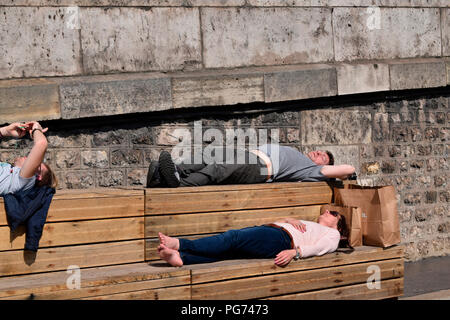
[
  {"x": 343, "y": 274},
  {"x": 87, "y": 228}
]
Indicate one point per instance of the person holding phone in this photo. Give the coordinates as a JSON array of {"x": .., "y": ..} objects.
[{"x": 29, "y": 170}]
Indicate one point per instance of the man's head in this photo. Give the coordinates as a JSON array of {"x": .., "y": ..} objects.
[
  {"x": 44, "y": 174},
  {"x": 321, "y": 158}
]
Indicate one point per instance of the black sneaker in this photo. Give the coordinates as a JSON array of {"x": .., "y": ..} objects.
[
  {"x": 168, "y": 170},
  {"x": 153, "y": 178}
]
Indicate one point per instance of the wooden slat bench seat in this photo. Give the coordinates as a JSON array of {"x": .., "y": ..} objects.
[
  {"x": 111, "y": 235},
  {"x": 84, "y": 227},
  {"x": 128, "y": 281},
  {"x": 342, "y": 275}
]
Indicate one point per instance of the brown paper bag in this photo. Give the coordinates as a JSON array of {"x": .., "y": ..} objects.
[
  {"x": 353, "y": 220},
  {"x": 380, "y": 222}
]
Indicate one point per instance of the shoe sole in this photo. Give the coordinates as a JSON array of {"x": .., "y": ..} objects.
[
  {"x": 151, "y": 172},
  {"x": 167, "y": 170}
]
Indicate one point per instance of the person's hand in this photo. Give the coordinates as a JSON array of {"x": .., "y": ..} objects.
[
  {"x": 297, "y": 224},
  {"x": 15, "y": 130},
  {"x": 284, "y": 257},
  {"x": 35, "y": 125}
]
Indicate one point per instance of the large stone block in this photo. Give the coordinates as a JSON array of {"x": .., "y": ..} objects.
[
  {"x": 135, "y": 39},
  {"x": 445, "y": 26},
  {"x": 213, "y": 89},
  {"x": 111, "y": 95},
  {"x": 234, "y": 37},
  {"x": 37, "y": 42},
  {"x": 417, "y": 74},
  {"x": 95, "y": 159},
  {"x": 25, "y": 100},
  {"x": 302, "y": 82},
  {"x": 330, "y": 127},
  {"x": 359, "y": 78},
  {"x": 386, "y": 33}
]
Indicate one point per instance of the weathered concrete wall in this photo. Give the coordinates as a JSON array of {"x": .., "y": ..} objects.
[{"x": 96, "y": 52}]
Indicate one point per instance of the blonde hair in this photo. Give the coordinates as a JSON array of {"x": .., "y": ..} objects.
[{"x": 48, "y": 179}]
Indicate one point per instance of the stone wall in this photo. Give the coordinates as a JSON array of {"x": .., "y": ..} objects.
[{"x": 399, "y": 141}]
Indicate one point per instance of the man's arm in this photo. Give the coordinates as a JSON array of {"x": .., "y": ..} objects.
[{"x": 342, "y": 171}]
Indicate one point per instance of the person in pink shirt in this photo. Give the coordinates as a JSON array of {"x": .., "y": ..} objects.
[{"x": 283, "y": 240}]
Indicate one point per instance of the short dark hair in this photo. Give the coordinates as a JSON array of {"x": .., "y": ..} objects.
[{"x": 331, "y": 157}]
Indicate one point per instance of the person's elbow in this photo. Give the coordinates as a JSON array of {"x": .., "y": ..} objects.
[{"x": 349, "y": 170}]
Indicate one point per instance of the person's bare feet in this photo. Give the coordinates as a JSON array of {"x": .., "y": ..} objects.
[
  {"x": 169, "y": 242},
  {"x": 171, "y": 256}
]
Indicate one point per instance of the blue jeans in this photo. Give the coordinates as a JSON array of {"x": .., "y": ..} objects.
[{"x": 253, "y": 242}]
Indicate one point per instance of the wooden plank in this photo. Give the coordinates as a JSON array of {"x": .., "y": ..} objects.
[
  {"x": 388, "y": 289},
  {"x": 97, "y": 193},
  {"x": 293, "y": 282},
  {"x": 201, "y": 223},
  {"x": 86, "y": 206},
  {"x": 242, "y": 187},
  {"x": 77, "y": 232},
  {"x": 43, "y": 283},
  {"x": 60, "y": 258},
  {"x": 277, "y": 196},
  {"x": 112, "y": 289},
  {"x": 225, "y": 270},
  {"x": 175, "y": 293}
]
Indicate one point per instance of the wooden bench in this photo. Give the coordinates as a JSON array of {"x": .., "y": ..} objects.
[{"x": 112, "y": 236}]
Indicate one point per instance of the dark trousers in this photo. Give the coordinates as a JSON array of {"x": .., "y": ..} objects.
[
  {"x": 263, "y": 242},
  {"x": 223, "y": 173}
]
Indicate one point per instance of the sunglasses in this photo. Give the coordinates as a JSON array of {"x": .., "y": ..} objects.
[{"x": 334, "y": 213}]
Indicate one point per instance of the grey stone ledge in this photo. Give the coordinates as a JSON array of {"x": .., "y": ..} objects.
[
  {"x": 418, "y": 73},
  {"x": 104, "y": 95},
  {"x": 300, "y": 82},
  {"x": 447, "y": 63}
]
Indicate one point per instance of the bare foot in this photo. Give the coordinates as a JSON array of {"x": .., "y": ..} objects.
[
  {"x": 171, "y": 256},
  {"x": 169, "y": 242}
]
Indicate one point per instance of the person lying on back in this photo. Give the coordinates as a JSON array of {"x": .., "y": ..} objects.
[
  {"x": 30, "y": 170},
  {"x": 282, "y": 241},
  {"x": 268, "y": 163}
]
